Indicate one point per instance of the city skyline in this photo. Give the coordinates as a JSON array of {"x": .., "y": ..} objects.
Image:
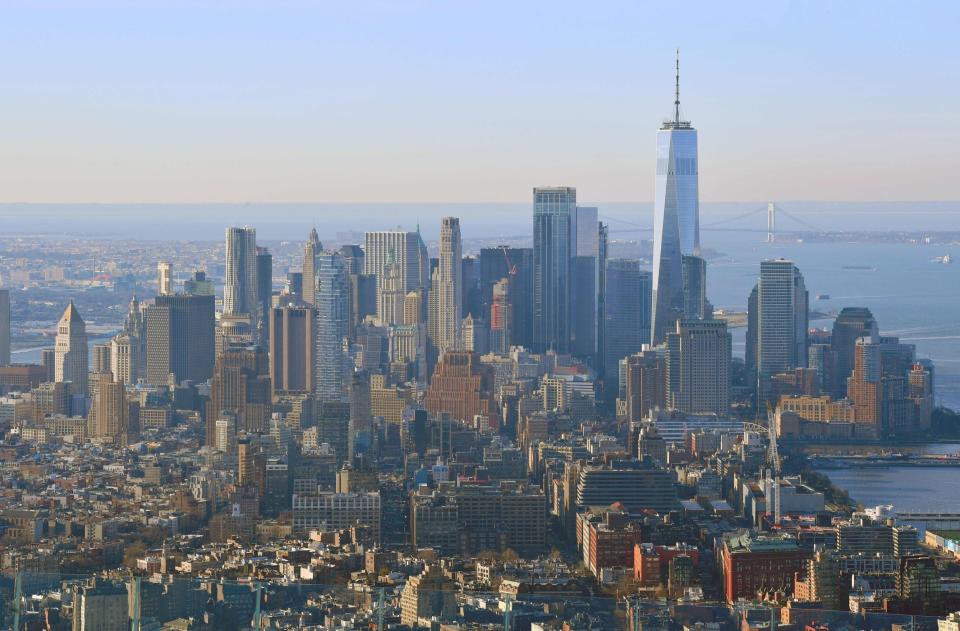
[{"x": 561, "y": 413}]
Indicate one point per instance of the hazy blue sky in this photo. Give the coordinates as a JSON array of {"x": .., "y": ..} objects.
[{"x": 473, "y": 101}]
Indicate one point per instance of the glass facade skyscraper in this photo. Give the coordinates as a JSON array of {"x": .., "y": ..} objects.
[
  {"x": 626, "y": 314},
  {"x": 676, "y": 218},
  {"x": 553, "y": 222},
  {"x": 782, "y": 321},
  {"x": 333, "y": 311}
]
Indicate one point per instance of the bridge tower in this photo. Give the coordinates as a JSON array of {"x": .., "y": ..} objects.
[{"x": 771, "y": 222}]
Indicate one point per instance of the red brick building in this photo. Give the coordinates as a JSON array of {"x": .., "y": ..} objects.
[{"x": 752, "y": 564}]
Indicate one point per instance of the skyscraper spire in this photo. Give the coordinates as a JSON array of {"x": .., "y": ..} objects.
[{"x": 676, "y": 101}]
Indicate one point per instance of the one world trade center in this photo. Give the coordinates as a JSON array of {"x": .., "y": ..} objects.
[{"x": 676, "y": 217}]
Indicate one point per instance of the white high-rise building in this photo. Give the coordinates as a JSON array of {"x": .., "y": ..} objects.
[
  {"x": 449, "y": 286},
  {"x": 310, "y": 251},
  {"x": 164, "y": 278},
  {"x": 72, "y": 354},
  {"x": 676, "y": 217},
  {"x": 407, "y": 251},
  {"x": 240, "y": 282}
]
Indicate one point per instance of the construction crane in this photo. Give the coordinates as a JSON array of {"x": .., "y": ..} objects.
[{"x": 511, "y": 268}]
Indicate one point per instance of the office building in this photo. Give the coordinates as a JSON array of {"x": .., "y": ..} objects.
[
  {"x": 292, "y": 347},
  {"x": 698, "y": 367},
  {"x": 469, "y": 519},
  {"x": 695, "y": 304},
  {"x": 180, "y": 339},
  {"x": 407, "y": 252},
  {"x": 72, "y": 354},
  {"x": 428, "y": 596},
  {"x": 4, "y": 327},
  {"x": 264, "y": 293},
  {"x": 851, "y": 324},
  {"x": 109, "y": 416},
  {"x": 584, "y": 276},
  {"x": 626, "y": 315},
  {"x": 164, "y": 278},
  {"x": 553, "y": 223},
  {"x": 199, "y": 285},
  {"x": 310, "y": 251},
  {"x": 240, "y": 386},
  {"x": 676, "y": 217},
  {"x": 101, "y": 358},
  {"x": 100, "y": 605},
  {"x": 603, "y": 236},
  {"x": 918, "y": 584},
  {"x": 755, "y": 563},
  {"x": 328, "y": 512},
  {"x": 123, "y": 359},
  {"x": 332, "y": 307},
  {"x": 240, "y": 283},
  {"x": 463, "y": 388},
  {"x": 821, "y": 583},
  {"x": 449, "y": 287},
  {"x": 781, "y": 322},
  {"x": 637, "y": 484},
  {"x": 645, "y": 390},
  {"x": 470, "y": 273},
  {"x": 516, "y": 265}
]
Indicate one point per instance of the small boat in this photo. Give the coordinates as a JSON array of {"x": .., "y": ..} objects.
[{"x": 823, "y": 296}]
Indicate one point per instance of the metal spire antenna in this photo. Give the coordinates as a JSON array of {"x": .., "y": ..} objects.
[{"x": 676, "y": 101}]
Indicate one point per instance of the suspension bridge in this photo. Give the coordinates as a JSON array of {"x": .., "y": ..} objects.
[{"x": 742, "y": 222}]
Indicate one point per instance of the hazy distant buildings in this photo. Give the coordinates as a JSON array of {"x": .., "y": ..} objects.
[
  {"x": 4, "y": 327},
  {"x": 72, "y": 354},
  {"x": 164, "y": 278},
  {"x": 553, "y": 222},
  {"x": 199, "y": 285}
]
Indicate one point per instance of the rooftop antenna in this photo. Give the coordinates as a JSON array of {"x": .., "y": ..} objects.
[{"x": 676, "y": 101}]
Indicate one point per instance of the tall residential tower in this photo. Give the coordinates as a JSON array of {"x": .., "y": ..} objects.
[{"x": 554, "y": 212}]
